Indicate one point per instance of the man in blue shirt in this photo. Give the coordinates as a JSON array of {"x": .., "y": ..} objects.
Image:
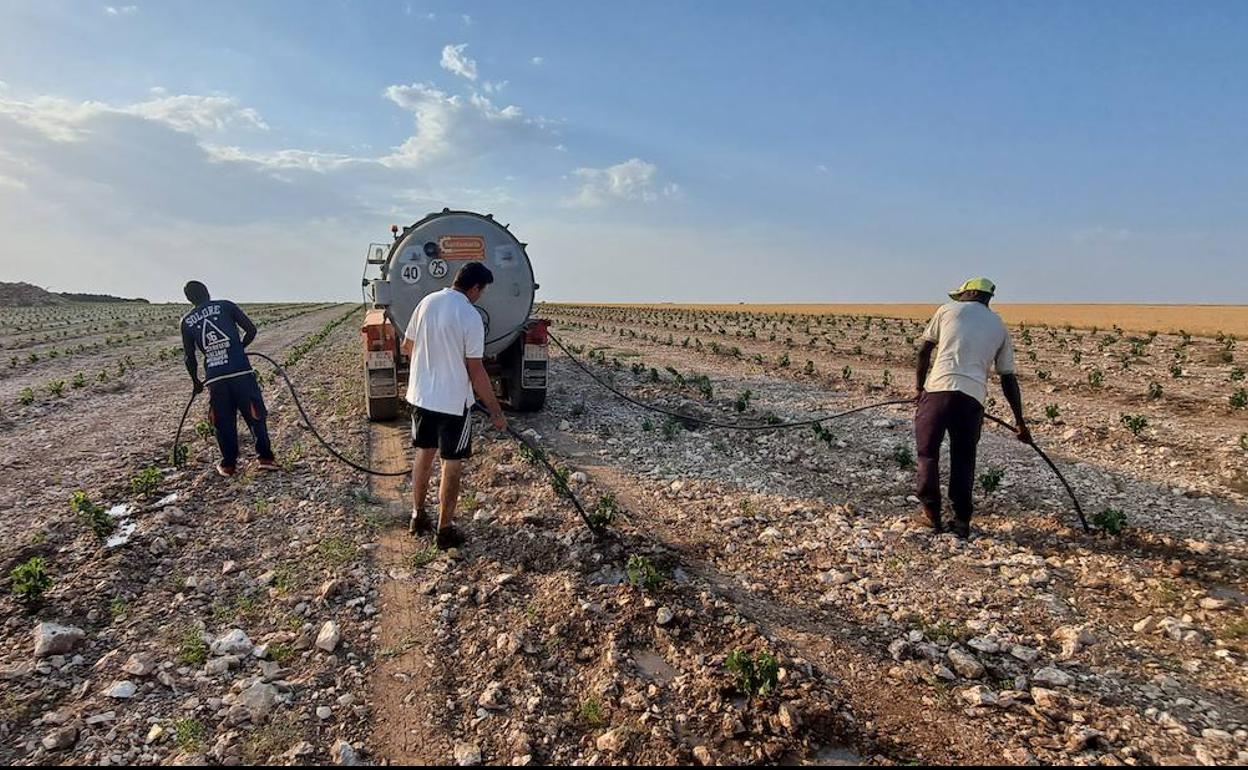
[{"x": 213, "y": 327}]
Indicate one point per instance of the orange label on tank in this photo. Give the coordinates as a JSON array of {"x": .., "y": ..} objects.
[{"x": 462, "y": 247}]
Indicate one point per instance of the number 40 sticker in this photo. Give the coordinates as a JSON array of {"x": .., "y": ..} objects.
[{"x": 410, "y": 272}]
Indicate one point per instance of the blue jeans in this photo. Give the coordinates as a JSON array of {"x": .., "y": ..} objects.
[{"x": 226, "y": 399}]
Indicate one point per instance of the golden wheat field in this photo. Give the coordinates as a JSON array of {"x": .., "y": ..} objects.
[{"x": 1206, "y": 320}]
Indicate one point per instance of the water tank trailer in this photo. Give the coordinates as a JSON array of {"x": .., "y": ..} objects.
[{"x": 424, "y": 258}]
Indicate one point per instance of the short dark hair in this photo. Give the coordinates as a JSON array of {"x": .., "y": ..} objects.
[
  {"x": 472, "y": 275},
  {"x": 196, "y": 292}
]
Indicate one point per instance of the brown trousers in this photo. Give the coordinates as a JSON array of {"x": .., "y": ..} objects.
[{"x": 962, "y": 417}]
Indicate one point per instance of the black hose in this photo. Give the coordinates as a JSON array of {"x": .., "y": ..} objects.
[
  {"x": 560, "y": 483},
  {"x": 803, "y": 423},
  {"x": 535, "y": 451},
  {"x": 714, "y": 423},
  {"x": 1075, "y": 500},
  {"x": 177, "y": 438},
  {"x": 307, "y": 421}
]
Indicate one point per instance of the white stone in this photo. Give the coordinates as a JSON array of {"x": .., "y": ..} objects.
[
  {"x": 232, "y": 642},
  {"x": 55, "y": 639},
  {"x": 328, "y": 637},
  {"x": 467, "y": 754},
  {"x": 123, "y": 690},
  {"x": 1052, "y": 677}
]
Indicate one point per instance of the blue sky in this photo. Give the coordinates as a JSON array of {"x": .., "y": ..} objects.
[{"x": 829, "y": 151}]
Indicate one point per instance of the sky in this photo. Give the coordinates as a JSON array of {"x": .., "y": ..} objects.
[{"x": 647, "y": 151}]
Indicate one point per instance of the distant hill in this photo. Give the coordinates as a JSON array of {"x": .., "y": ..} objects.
[
  {"x": 28, "y": 295},
  {"x": 81, "y": 297},
  {"x": 24, "y": 294}
]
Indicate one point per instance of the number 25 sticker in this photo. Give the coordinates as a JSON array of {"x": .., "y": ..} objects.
[
  {"x": 410, "y": 272},
  {"x": 437, "y": 268}
]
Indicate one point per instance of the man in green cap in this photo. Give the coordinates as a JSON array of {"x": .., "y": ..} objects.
[{"x": 963, "y": 339}]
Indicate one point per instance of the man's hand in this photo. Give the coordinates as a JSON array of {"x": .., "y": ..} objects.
[
  {"x": 1024, "y": 434},
  {"x": 197, "y": 387},
  {"x": 918, "y": 395},
  {"x": 499, "y": 421}
]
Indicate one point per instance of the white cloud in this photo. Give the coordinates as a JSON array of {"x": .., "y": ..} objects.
[
  {"x": 125, "y": 10},
  {"x": 454, "y": 60},
  {"x": 493, "y": 87},
  {"x": 168, "y": 168},
  {"x": 821, "y": 168},
  {"x": 467, "y": 20},
  {"x": 64, "y": 120},
  {"x": 449, "y": 124},
  {"x": 536, "y": 61},
  {"x": 304, "y": 160},
  {"x": 192, "y": 113},
  {"x": 632, "y": 180}
]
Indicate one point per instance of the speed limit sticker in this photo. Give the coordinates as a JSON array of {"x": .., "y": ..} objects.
[
  {"x": 437, "y": 268},
  {"x": 410, "y": 272}
]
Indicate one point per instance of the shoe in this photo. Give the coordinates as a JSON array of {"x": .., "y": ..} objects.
[
  {"x": 961, "y": 528},
  {"x": 419, "y": 524},
  {"x": 448, "y": 538},
  {"x": 225, "y": 470},
  {"x": 268, "y": 465},
  {"x": 930, "y": 519}
]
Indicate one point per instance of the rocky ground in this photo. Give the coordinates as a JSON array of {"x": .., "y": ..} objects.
[
  {"x": 231, "y": 624},
  {"x": 291, "y": 619}
]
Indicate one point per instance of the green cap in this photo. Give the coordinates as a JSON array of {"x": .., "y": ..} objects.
[{"x": 975, "y": 284}]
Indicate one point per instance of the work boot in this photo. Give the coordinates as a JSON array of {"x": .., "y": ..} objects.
[
  {"x": 268, "y": 464},
  {"x": 448, "y": 538},
  {"x": 419, "y": 524},
  {"x": 225, "y": 470},
  {"x": 961, "y": 528}
]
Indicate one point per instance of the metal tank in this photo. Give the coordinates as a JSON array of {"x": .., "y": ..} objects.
[{"x": 424, "y": 258}]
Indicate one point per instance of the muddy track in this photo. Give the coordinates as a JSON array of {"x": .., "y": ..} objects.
[{"x": 405, "y": 681}]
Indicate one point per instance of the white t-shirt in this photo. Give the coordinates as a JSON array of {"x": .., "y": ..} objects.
[
  {"x": 445, "y": 329},
  {"x": 969, "y": 337}
]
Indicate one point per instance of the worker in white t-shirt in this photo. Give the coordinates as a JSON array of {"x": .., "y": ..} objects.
[
  {"x": 962, "y": 342},
  {"x": 446, "y": 340}
]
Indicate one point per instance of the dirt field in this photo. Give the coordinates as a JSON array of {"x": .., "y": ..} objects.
[
  {"x": 1207, "y": 320},
  {"x": 290, "y": 619}
]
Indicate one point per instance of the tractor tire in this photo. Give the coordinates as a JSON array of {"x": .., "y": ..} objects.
[{"x": 527, "y": 399}]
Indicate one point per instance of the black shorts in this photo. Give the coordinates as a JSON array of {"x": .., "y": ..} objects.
[{"x": 448, "y": 432}]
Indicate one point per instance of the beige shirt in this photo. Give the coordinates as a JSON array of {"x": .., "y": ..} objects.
[{"x": 969, "y": 337}]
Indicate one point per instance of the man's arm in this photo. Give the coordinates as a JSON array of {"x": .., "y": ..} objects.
[
  {"x": 244, "y": 323},
  {"x": 1004, "y": 364},
  {"x": 924, "y": 365},
  {"x": 485, "y": 391},
  {"x": 931, "y": 338},
  {"x": 192, "y": 363},
  {"x": 1014, "y": 395}
]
